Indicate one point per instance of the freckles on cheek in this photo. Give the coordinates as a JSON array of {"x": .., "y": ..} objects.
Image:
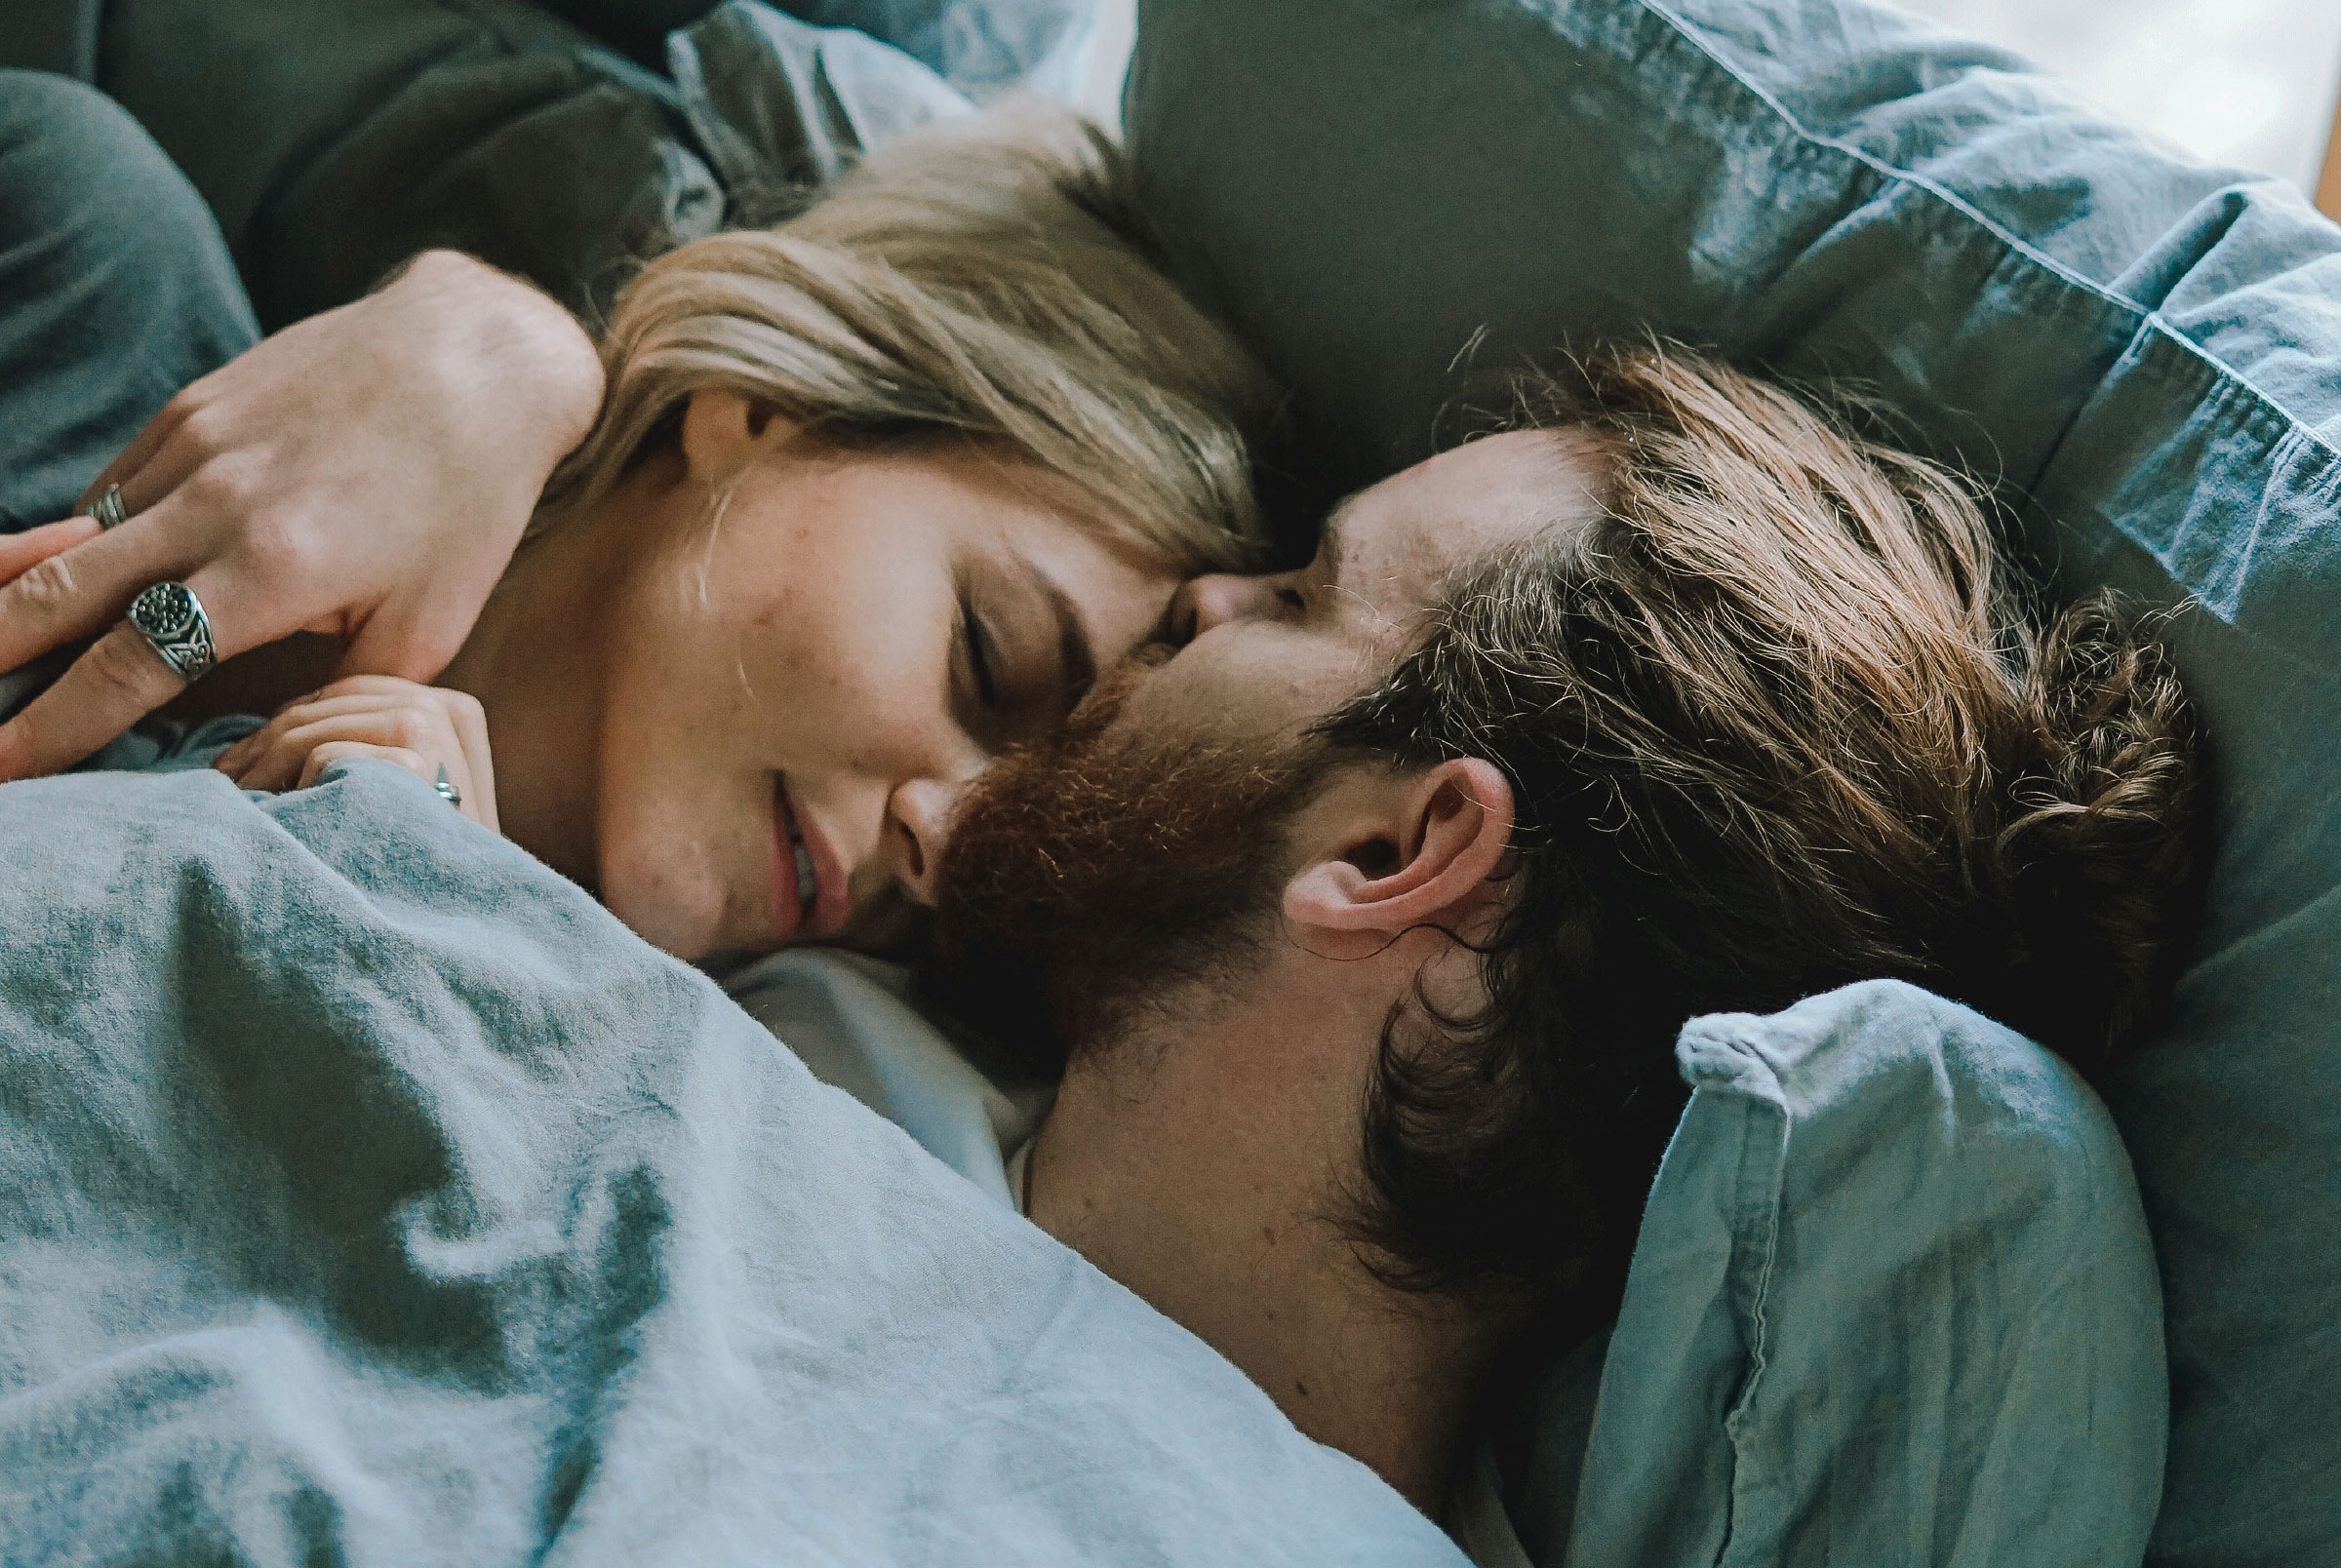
[
  {"x": 776, "y": 614},
  {"x": 776, "y": 644},
  {"x": 822, "y": 645}
]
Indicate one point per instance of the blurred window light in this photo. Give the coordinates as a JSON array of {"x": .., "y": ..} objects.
[{"x": 2247, "y": 82}]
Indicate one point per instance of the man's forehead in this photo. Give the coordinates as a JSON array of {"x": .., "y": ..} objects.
[{"x": 1402, "y": 535}]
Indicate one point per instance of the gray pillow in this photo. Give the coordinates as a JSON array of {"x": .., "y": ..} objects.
[
  {"x": 1892, "y": 1301},
  {"x": 2146, "y": 351}
]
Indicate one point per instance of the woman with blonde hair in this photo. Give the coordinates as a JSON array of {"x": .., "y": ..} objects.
[{"x": 870, "y": 497}]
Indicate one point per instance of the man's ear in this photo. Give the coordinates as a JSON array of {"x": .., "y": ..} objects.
[
  {"x": 1393, "y": 851},
  {"x": 724, "y": 433}
]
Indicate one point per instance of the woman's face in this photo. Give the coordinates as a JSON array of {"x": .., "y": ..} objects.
[{"x": 802, "y": 679}]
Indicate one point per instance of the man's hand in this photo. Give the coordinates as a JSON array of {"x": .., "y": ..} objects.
[
  {"x": 366, "y": 474},
  {"x": 430, "y": 733}
]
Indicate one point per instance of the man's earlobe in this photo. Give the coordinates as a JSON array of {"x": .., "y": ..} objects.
[{"x": 1410, "y": 850}]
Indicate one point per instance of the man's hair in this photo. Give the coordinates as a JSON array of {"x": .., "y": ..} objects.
[
  {"x": 988, "y": 279},
  {"x": 1775, "y": 722}
]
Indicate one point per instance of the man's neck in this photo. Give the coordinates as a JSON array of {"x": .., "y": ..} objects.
[{"x": 1202, "y": 1170}]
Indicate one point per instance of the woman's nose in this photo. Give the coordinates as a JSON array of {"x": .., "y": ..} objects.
[
  {"x": 922, "y": 810},
  {"x": 1215, "y": 597}
]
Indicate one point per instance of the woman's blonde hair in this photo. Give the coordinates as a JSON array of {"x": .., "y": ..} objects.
[{"x": 986, "y": 279}]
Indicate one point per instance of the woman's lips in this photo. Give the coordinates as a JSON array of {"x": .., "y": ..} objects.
[
  {"x": 810, "y": 896},
  {"x": 788, "y": 910}
]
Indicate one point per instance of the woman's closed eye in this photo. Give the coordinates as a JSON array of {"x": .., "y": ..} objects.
[
  {"x": 1005, "y": 695},
  {"x": 1022, "y": 653},
  {"x": 981, "y": 651}
]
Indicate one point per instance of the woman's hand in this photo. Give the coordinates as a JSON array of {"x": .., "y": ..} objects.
[
  {"x": 429, "y": 732},
  {"x": 366, "y": 473}
]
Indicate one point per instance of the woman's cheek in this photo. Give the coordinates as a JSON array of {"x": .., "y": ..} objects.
[{"x": 658, "y": 877}]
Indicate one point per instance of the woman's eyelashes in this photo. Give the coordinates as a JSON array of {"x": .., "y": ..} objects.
[
  {"x": 980, "y": 648},
  {"x": 1002, "y": 689},
  {"x": 1016, "y": 669}
]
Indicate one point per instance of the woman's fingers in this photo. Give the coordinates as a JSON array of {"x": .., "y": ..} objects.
[
  {"x": 129, "y": 469},
  {"x": 62, "y": 596},
  {"x": 282, "y": 762},
  {"x": 65, "y": 581},
  {"x": 303, "y": 711},
  {"x": 479, "y": 762},
  {"x": 119, "y": 673},
  {"x": 422, "y": 728},
  {"x": 20, "y": 552},
  {"x": 365, "y": 473},
  {"x": 429, "y": 761},
  {"x": 65, "y": 595},
  {"x": 342, "y": 751},
  {"x": 366, "y": 694},
  {"x": 117, "y": 681}
]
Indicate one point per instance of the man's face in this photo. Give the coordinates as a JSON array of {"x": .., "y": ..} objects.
[
  {"x": 1144, "y": 847},
  {"x": 1263, "y": 657}
]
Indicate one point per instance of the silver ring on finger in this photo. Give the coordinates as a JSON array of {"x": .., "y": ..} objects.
[
  {"x": 447, "y": 789},
  {"x": 107, "y": 509},
  {"x": 173, "y": 621}
]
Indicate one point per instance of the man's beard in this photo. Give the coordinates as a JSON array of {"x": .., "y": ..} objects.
[{"x": 1095, "y": 878}]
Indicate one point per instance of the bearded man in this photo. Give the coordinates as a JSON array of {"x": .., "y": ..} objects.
[{"x": 1363, "y": 921}]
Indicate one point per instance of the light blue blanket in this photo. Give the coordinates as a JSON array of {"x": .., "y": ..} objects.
[{"x": 368, "y": 1194}]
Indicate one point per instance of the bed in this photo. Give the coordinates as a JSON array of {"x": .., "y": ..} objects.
[{"x": 2140, "y": 351}]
